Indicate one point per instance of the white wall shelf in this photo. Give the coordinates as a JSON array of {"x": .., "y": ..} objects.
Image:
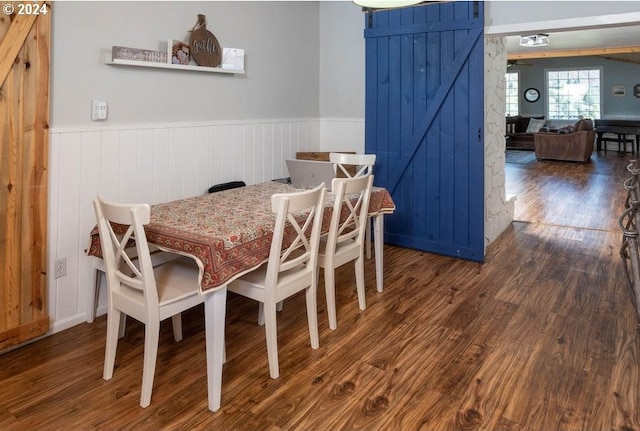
[{"x": 117, "y": 62}]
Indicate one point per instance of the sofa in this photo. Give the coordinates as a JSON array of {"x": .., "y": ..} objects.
[
  {"x": 572, "y": 143},
  {"x": 520, "y": 131}
]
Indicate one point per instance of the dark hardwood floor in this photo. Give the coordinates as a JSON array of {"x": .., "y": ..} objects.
[{"x": 542, "y": 336}]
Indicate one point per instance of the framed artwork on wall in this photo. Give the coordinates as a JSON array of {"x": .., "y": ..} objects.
[{"x": 619, "y": 90}]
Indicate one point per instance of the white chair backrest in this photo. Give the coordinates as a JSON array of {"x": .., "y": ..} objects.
[
  {"x": 122, "y": 273},
  {"x": 363, "y": 163},
  {"x": 350, "y": 209},
  {"x": 298, "y": 227}
]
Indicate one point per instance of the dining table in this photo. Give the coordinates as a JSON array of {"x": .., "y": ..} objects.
[{"x": 229, "y": 234}]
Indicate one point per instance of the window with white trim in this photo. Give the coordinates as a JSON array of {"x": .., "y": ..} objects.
[
  {"x": 511, "y": 96},
  {"x": 573, "y": 93}
]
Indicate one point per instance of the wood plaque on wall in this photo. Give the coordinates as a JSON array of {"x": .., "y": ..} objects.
[{"x": 205, "y": 48}]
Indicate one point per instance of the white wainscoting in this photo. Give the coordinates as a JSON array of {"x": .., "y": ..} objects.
[{"x": 159, "y": 163}]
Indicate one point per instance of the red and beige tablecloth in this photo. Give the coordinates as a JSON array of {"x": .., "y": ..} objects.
[{"x": 229, "y": 232}]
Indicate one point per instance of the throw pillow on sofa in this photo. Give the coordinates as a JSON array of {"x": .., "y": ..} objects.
[
  {"x": 584, "y": 124},
  {"x": 534, "y": 125}
]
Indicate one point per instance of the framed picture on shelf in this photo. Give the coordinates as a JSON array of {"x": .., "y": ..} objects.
[
  {"x": 178, "y": 52},
  {"x": 233, "y": 58}
]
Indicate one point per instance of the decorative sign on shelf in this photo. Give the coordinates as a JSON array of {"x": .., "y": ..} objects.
[
  {"x": 205, "y": 48},
  {"x": 136, "y": 54}
]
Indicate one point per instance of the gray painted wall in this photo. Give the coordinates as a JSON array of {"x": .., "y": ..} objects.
[
  {"x": 281, "y": 42},
  {"x": 613, "y": 73},
  {"x": 304, "y": 59}
]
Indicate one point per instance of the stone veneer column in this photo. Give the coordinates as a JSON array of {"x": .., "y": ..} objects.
[{"x": 499, "y": 208}]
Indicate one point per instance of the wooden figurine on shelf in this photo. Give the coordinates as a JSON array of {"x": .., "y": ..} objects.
[{"x": 205, "y": 48}]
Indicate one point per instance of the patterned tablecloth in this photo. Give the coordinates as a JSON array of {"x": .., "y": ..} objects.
[{"x": 229, "y": 232}]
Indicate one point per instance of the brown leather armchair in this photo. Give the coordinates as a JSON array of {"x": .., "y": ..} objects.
[{"x": 575, "y": 146}]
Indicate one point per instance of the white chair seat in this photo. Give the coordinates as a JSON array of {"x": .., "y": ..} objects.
[
  {"x": 289, "y": 282},
  {"x": 174, "y": 281},
  {"x": 158, "y": 257},
  {"x": 345, "y": 252}
]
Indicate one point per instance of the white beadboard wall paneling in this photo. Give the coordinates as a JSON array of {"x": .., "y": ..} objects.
[
  {"x": 109, "y": 144},
  {"x": 52, "y": 220},
  {"x": 127, "y": 187},
  {"x": 149, "y": 163},
  {"x": 67, "y": 222},
  {"x": 257, "y": 134},
  {"x": 189, "y": 160},
  {"x": 144, "y": 168},
  {"x": 90, "y": 159},
  {"x": 345, "y": 134},
  {"x": 268, "y": 150},
  {"x": 278, "y": 145},
  {"x": 160, "y": 173},
  {"x": 176, "y": 164},
  {"x": 244, "y": 159}
]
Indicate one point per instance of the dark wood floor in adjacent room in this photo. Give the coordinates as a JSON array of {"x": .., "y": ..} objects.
[{"x": 542, "y": 336}]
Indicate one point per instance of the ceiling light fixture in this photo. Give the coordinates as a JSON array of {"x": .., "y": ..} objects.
[
  {"x": 534, "y": 40},
  {"x": 385, "y": 4}
]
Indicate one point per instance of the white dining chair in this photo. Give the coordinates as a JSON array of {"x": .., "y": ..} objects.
[
  {"x": 344, "y": 242},
  {"x": 291, "y": 267},
  {"x": 137, "y": 289},
  {"x": 361, "y": 164}
]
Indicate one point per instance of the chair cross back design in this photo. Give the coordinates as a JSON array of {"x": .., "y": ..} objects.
[
  {"x": 291, "y": 267},
  {"x": 363, "y": 163},
  {"x": 348, "y": 229},
  {"x": 345, "y": 240},
  {"x": 138, "y": 289},
  {"x": 287, "y": 261}
]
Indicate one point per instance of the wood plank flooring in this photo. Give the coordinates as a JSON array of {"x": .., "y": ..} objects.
[{"x": 542, "y": 336}]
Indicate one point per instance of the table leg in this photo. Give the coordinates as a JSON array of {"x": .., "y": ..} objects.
[
  {"x": 620, "y": 144},
  {"x": 215, "y": 304},
  {"x": 378, "y": 243},
  {"x": 599, "y": 143}
]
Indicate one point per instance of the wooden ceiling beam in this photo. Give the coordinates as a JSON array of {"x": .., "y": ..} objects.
[{"x": 574, "y": 52}]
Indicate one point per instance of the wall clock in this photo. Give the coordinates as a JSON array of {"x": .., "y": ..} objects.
[{"x": 531, "y": 95}]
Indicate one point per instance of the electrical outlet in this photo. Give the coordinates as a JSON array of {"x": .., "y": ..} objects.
[
  {"x": 98, "y": 110},
  {"x": 60, "y": 267}
]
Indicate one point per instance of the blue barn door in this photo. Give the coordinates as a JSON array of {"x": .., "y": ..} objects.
[{"x": 424, "y": 119}]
